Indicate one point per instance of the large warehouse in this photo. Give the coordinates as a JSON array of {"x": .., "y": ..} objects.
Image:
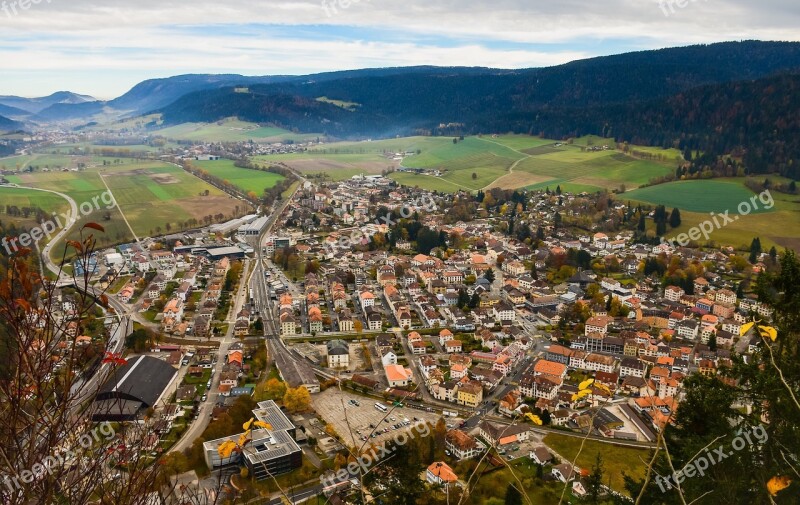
[{"x": 132, "y": 389}]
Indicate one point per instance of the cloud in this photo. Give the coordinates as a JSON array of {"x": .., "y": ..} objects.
[{"x": 156, "y": 37}]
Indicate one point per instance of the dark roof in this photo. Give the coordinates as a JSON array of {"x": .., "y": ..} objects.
[{"x": 142, "y": 379}]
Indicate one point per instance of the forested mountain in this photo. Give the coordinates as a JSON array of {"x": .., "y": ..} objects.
[
  {"x": 701, "y": 98},
  {"x": 9, "y": 125},
  {"x": 34, "y": 105}
]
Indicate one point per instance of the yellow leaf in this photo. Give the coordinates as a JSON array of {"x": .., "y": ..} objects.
[
  {"x": 581, "y": 394},
  {"x": 603, "y": 388},
  {"x": 585, "y": 384},
  {"x": 778, "y": 484},
  {"x": 226, "y": 448},
  {"x": 768, "y": 332},
  {"x": 249, "y": 423},
  {"x": 262, "y": 424},
  {"x": 746, "y": 328},
  {"x": 243, "y": 439}
]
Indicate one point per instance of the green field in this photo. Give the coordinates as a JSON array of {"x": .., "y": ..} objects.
[
  {"x": 230, "y": 130},
  {"x": 154, "y": 197},
  {"x": 696, "y": 196},
  {"x": 28, "y": 198},
  {"x": 616, "y": 459},
  {"x": 243, "y": 178},
  {"x": 778, "y": 226}
]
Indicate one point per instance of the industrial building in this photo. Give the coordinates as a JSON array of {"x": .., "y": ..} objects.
[
  {"x": 271, "y": 451},
  {"x": 132, "y": 389}
]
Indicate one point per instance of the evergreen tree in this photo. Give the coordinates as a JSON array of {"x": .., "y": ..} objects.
[
  {"x": 642, "y": 227},
  {"x": 474, "y": 301},
  {"x": 558, "y": 189},
  {"x": 793, "y": 187},
  {"x": 594, "y": 482},
  {"x": 755, "y": 250},
  {"x": 463, "y": 298},
  {"x": 513, "y": 496},
  {"x": 661, "y": 228},
  {"x": 489, "y": 275},
  {"x": 773, "y": 254},
  {"x": 675, "y": 218}
]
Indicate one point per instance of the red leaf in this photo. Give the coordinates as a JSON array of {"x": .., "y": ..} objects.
[{"x": 94, "y": 226}]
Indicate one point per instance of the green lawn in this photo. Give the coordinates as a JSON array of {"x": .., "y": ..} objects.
[
  {"x": 616, "y": 459},
  {"x": 243, "y": 178}
]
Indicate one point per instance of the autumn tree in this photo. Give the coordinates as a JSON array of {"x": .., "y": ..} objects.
[{"x": 297, "y": 399}]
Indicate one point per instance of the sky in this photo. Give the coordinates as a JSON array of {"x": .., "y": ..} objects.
[{"x": 105, "y": 48}]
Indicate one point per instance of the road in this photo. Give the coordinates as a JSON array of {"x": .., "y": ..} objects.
[{"x": 205, "y": 408}]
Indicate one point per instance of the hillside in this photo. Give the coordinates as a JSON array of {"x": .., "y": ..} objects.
[{"x": 9, "y": 124}]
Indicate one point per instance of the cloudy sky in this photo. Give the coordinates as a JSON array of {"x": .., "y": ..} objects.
[{"x": 104, "y": 47}]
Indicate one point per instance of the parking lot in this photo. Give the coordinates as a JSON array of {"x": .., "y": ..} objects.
[{"x": 338, "y": 408}]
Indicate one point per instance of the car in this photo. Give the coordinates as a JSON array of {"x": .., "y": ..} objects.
[
  {"x": 510, "y": 456},
  {"x": 204, "y": 398}
]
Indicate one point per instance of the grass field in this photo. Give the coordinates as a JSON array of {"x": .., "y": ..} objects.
[
  {"x": 778, "y": 226},
  {"x": 230, "y": 130},
  {"x": 696, "y": 196},
  {"x": 28, "y": 198},
  {"x": 616, "y": 459},
  {"x": 153, "y": 196},
  {"x": 243, "y": 178}
]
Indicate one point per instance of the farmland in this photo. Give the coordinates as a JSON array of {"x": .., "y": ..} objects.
[
  {"x": 777, "y": 226},
  {"x": 482, "y": 162},
  {"x": 20, "y": 198},
  {"x": 243, "y": 178},
  {"x": 696, "y": 196},
  {"x": 153, "y": 196},
  {"x": 230, "y": 130}
]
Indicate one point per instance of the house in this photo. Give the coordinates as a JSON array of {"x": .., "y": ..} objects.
[
  {"x": 597, "y": 324},
  {"x": 541, "y": 456},
  {"x": 674, "y": 293},
  {"x": 458, "y": 371},
  {"x": 498, "y": 435},
  {"x": 632, "y": 367},
  {"x": 388, "y": 357},
  {"x": 461, "y": 445},
  {"x": 439, "y": 473},
  {"x": 547, "y": 368},
  {"x": 398, "y": 376},
  {"x": 338, "y": 354},
  {"x": 564, "y": 472},
  {"x": 470, "y": 394},
  {"x": 452, "y": 346}
]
